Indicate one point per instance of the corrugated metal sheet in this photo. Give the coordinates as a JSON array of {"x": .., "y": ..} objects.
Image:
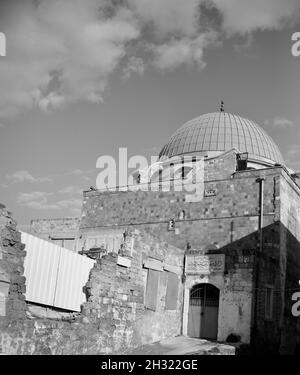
[
  {"x": 72, "y": 276},
  {"x": 55, "y": 276}
]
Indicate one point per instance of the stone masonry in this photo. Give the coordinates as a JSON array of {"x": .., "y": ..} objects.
[
  {"x": 114, "y": 318},
  {"x": 227, "y": 220}
]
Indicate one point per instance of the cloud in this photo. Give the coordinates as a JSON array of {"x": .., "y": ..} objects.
[
  {"x": 82, "y": 175},
  {"x": 280, "y": 122},
  {"x": 25, "y": 176},
  {"x": 59, "y": 52},
  {"x": 39, "y": 200},
  {"x": 244, "y": 16},
  {"x": 69, "y": 203},
  {"x": 283, "y": 122},
  {"x": 77, "y": 172},
  {"x": 168, "y": 17},
  {"x": 64, "y": 51},
  {"x": 74, "y": 190},
  {"x": 134, "y": 65},
  {"x": 187, "y": 51},
  {"x": 293, "y": 157},
  {"x": 294, "y": 150}
]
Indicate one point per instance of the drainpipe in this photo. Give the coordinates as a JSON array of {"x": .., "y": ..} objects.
[
  {"x": 183, "y": 279},
  {"x": 258, "y": 255},
  {"x": 261, "y": 182}
]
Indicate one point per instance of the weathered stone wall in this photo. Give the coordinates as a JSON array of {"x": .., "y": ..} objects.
[
  {"x": 114, "y": 318},
  {"x": 236, "y": 199},
  {"x": 290, "y": 259},
  {"x": 12, "y": 281},
  {"x": 116, "y": 296},
  {"x": 228, "y": 220},
  {"x": 236, "y": 293},
  {"x": 59, "y": 225},
  {"x": 267, "y": 330},
  {"x": 278, "y": 267},
  {"x": 62, "y": 231}
]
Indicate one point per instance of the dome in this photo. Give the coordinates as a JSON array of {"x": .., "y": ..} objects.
[{"x": 214, "y": 133}]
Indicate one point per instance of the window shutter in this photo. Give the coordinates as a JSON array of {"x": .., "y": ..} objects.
[
  {"x": 269, "y": 303},
  {"x": 151, "y": 289},
  {"x": 172, "y": 291}
]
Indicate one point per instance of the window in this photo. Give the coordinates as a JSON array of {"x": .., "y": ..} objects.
[
  {"x": 151, "y": 289},
  {"x": 172, "y": 291},
  {"x": 269, "y": 303},
  {"x": 181, "y": 215}
]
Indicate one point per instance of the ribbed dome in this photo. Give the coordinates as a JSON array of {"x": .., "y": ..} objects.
[{"x": 219, "y": 132}]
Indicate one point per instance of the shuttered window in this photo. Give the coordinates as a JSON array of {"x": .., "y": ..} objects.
[
  {"x": 151, "y": 289},
  {"x": 172, "y": 291},
  {"x": 269, "y": 303}
]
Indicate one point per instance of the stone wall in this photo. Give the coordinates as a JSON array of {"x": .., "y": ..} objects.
[
  {"x": 236, "y": 293},
  {"x": 114, "y": 318},
  {"x": 229, "y": 221},
  {"x": 59, "y": 225},
  {"x": 290, "y": 259},
  {"x": 62, "y": 231},
  {"x": 116, "y": 295},
  {"x": 221, "y": 219},
  {"x": 12, "y": 281}
]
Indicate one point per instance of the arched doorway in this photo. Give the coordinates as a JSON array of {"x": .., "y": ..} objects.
[{"x": 203, "y": 312}]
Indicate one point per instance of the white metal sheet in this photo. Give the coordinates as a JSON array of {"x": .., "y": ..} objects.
[
  {"x": 73, "y": 274},
  {"x": 55, "y": 276}
]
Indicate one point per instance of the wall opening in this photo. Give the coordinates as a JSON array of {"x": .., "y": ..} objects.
[{"x": 203, "y": 312}]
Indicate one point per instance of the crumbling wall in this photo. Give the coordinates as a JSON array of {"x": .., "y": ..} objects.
[
  {"x": 116, "y": 295},
  {"x": 12, "y": 281},
  {"x": 114, "y": 318}
]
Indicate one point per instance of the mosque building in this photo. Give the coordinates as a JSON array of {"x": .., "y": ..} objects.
[{"x": 237, "y": 258}]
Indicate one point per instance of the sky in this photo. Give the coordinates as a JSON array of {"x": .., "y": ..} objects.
[{"x": 81, "y": 79}]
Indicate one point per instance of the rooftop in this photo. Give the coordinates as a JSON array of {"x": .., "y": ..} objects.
[{"x": 213, "y": 133}]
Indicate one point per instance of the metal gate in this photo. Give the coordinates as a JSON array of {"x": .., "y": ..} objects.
[{"x": 203, "y": 312}]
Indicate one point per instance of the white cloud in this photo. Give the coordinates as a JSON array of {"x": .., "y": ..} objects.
[
  {"x": 39, "y": 200},
  {"x": 244, "y": 16},
  {"x": 183, "y": 51},
  {"x": 25, "y": 176},
  {"x": 83, "y": 175},
  {"x": 280, "y": 122},
  {"x": 74, "y": 190},
  {"x": 134, "y": 65},
  {"x": 77, "y": 172},
  {"x": 283, "y": 122},
  {"x": 64, "y": 51},
  {"x": 294, "y": 151},
  {"x": 69, "y": 203},
  {"x": 168, "y": 17},
  {"x": 60, "y": 51},
  {"x": 293, "y": 157}
]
